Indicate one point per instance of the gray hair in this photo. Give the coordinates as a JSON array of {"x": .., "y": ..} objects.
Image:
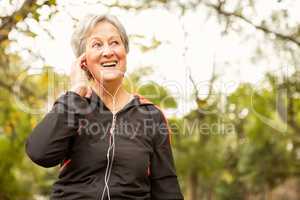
[{"x": 80, "y": 34}]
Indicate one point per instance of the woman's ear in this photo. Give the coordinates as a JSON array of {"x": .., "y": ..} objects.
[
  {"x": 83, "y": 62},
  {"x": 83, "y": 65}
]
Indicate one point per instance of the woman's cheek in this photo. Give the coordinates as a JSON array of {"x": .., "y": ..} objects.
[{"x": 92, "y": 60}]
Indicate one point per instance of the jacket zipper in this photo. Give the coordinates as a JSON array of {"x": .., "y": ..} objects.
[
  {"x": 111, "y": 132},
  {"x": 113, "y": 124}
]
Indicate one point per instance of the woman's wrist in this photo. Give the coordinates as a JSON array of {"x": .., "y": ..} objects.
[{"x": 82, "y": 90}]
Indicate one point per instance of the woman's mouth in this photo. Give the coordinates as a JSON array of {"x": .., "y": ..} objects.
[{"x": 109, "y": 64}]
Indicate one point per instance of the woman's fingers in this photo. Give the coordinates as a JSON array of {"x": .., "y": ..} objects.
[
  {"x": 78, "y": 79},
  {"x": 82, "y": 91}
]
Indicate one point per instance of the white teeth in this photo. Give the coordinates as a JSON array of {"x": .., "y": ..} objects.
[{"x": 109, "y": 64}]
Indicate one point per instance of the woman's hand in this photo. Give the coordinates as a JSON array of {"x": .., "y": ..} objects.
[{"x": 78, "y": 78}]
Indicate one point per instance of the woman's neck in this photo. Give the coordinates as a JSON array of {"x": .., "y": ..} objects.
[{"x": 111, "y": 92}]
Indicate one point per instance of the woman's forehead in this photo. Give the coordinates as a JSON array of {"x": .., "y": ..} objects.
[{"x": 98, "y": 37}]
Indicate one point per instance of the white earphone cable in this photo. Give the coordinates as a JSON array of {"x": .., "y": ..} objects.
[{"x": 111, "y": 141}]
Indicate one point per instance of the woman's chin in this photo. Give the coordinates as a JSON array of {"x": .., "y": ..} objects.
[{"x": 110, "y": 76}]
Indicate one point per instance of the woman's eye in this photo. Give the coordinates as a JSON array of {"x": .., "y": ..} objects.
[
  {"x": 115, "y": 42},
  {"x": 96, "y": 45}
]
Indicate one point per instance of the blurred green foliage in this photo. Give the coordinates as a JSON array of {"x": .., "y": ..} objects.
[{"x": 240, "y": 150}]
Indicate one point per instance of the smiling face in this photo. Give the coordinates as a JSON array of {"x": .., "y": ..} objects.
[{"x": 105, "y": 53}]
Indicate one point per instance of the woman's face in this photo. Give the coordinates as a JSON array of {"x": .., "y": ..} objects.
[{"x": 105, "y": 53}]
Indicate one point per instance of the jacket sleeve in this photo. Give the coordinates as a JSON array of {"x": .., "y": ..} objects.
[
  {"x": 164, "y": 183},
  {"x": 48, "y": 143}
]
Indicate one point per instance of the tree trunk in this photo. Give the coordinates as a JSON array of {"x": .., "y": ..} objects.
[{"x": 192, "y": 190}]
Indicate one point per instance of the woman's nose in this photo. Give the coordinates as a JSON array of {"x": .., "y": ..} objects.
[{"x": 107, "y": 51}]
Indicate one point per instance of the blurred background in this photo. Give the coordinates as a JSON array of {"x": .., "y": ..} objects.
[{"x": 226, "y": 73}]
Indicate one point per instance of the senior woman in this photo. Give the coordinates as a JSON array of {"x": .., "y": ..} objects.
[{"x": 110, "y": 144}]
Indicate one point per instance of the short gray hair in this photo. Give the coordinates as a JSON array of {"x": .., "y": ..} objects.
[{"x": 79, "y": 36}]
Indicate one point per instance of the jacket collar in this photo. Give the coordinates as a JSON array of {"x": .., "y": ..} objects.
[{"x": 138, "y": 100}]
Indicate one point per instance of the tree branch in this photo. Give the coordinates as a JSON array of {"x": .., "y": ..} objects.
[
  {"x": 9, "y": 22},
  {"x": 266, "y": 30},
  {"x": 204, "y": 102},
  {"x": 291, "y": 118},
  {"x": 287, "y": 112}
]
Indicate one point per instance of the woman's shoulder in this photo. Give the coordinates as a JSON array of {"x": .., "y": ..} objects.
[{"x": 153, "y": 108}]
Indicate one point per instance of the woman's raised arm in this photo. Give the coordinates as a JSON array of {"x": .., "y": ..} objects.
[{"x": 49, "y": 141}]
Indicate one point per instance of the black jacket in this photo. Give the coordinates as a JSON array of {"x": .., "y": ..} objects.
[{"x": 76, "y": 135}]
